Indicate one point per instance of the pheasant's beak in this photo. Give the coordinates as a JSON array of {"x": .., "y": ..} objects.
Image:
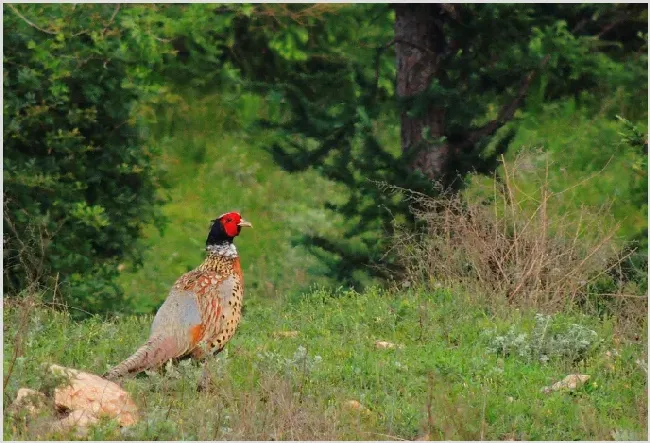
[{"x": 244, "y": 224}]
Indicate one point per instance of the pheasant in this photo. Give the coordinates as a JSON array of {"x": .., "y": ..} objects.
[{"x": 202, "y": 309}]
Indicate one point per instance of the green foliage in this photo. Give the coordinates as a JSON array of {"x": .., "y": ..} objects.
[
  {"x": 200, "y": 36},
  {"x": 440, "y": 379},
  {"x": 79, "y": 181},
  {"x": 85, "y": 152},
  {"x": 343, "y": 119}
]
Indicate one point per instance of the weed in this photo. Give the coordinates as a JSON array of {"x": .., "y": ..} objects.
[{"x": 544, "y": 343}]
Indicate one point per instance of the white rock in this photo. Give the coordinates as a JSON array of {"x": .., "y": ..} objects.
[
  {"x": 28, "y": 399},
  {"x": 570, "y": 382},
  {"x": 95, "y": 395},
  {"x": 379, "y": 344},
  {"x": 78, "y": 420}
]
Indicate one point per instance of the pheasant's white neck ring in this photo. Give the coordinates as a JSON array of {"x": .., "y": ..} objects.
[{"x": 227, "y": 250}]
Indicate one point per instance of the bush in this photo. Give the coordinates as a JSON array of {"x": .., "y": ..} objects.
[
  {"x": 516, "y": 246},
  {"x": 545, "y": 342},
  {"x": 79, "y": 182}
]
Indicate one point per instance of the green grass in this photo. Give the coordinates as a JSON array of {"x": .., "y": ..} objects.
[{"x": 270, "y": 387}]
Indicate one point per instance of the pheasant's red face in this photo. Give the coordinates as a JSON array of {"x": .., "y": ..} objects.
[{"x": 232, "y": 223}]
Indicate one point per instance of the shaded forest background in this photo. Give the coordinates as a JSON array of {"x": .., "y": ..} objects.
[{"x": 113, "y": 112}]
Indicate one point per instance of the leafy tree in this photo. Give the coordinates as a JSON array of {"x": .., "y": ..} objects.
[
  {"x": 79, "y": 182},
  {"x": 81, "y": 85},
  {"x": 81, "y": 82}
]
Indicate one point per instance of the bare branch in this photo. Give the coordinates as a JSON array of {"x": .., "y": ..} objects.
[
  {"x": 112, "y": 19},
  {"x": 30, "y": 23}
]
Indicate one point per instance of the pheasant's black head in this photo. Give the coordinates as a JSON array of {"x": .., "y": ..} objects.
[{"x": 225, "y": 228}]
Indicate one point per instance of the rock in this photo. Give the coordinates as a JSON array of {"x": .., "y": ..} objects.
[
  {"x": 379, "y": 344},
  {"x": 643, "y": 365},
  {"x": 625, "y": 435},
  {"x": 570, "y": 382},
  {"x": 30, "y": 400},
  {"x": 85, "y": 397},
  {"x": 354, "y": 404},
  {"x": 80, "y": 420},
  {"x": 285, "y": 334},
  {"x": 94, "y": 395}
]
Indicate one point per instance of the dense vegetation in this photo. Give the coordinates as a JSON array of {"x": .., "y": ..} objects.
[
  {"x": 127, "y": 128},
  {"x": 455, "y": 98},
  {"x": 85, "y": 84},
  {"x": 79, "y": 184}
]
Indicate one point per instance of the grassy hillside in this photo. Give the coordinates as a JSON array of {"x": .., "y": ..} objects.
[
  {"x": 590, "y": 149},
  {"x": 458, "y": 371}
]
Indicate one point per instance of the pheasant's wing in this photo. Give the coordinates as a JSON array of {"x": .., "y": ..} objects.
[
  {"x": 176, "y": 330},
  {"x": 179, "y": 321},
  {"x": 219, "y": 301},
  {"x": 190, "y": 317}
]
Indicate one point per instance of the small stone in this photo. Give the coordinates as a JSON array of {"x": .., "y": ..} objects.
[
  {"x": 379, "y": 344},
  {"x": 356, "y": 406},
  {"x": 79, "y": 420},
  {"x": 353, "y": 404},
  {"x": 30, "y": 400},
  {"x": 570, "y": 382},
  {"x": 642, "y": 365}
]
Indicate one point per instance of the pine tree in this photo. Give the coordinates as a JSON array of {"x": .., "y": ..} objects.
[{"x": 460, "y": 72}]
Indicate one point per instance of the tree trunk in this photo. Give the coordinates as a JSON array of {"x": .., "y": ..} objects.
[{"x": 419, "y": 42}]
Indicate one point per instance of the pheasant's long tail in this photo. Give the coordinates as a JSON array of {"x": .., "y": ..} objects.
[{"x": 156, "y": 351}]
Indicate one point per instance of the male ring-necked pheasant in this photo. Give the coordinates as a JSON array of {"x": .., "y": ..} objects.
[{"x": 202, "y": 309}]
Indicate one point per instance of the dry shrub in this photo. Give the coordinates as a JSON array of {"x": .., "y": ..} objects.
[
  {"x": 24, "y": 254},
  {"x": 515, "y": 246},
  {"x": 451, "y": 416}
]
